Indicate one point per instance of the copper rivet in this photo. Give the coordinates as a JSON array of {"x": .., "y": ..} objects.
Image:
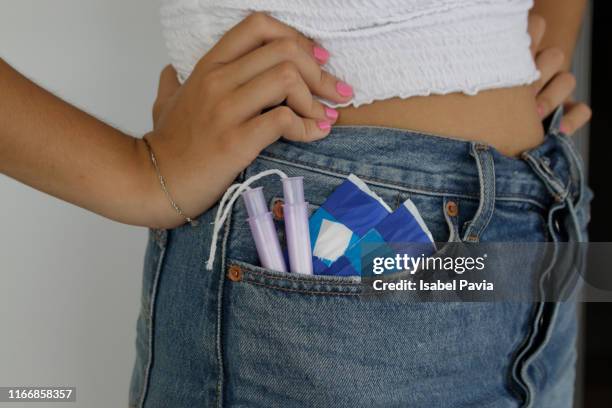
[
  {"x": 452, "y": 209},
  {"x": 234, "y": 273},
  {"x": 277, "y": 210}
]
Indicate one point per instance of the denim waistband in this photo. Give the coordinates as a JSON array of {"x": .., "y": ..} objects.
[{"x": 429, "y": 164}]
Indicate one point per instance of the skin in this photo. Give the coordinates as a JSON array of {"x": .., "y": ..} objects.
[
  {"x": 563, "y": 19},
  {"x": 556, "y": 83},
  {"x": 214, "y": 125},
  {"x": 208, "y": 131},
  {"x": 509, "y": 119}
]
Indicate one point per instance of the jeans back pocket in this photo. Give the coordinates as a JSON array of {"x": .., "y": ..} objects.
[{"x": 241, "y": 260}]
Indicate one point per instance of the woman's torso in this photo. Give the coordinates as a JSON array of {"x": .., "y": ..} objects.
[
  {"x": 411, "y": 63},
  {"x": 503, "y": 118}
]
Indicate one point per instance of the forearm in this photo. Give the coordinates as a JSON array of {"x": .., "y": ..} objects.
[
  {"x": 54, "y": 147},
  {"x": 563, "y": 21}
]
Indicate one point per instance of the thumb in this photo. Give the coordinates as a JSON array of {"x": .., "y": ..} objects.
[{"x": 168, "y": 85}]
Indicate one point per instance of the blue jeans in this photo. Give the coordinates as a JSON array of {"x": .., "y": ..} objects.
[{"x": 243, "y": 336}]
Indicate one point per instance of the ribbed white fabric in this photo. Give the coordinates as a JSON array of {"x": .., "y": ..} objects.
[{"x": 383, "y": 48}]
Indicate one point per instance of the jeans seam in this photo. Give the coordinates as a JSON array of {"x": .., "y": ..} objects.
[
  {"x": 577, "y": 164},
  {"x": 531, "y": 350},
  {"x": 219, "y": 334},
  {"x": 486, "y": 207},
  {"x": 397, "y": 186},
  {"x": 161, "y": 243},
  {"x": 534, "y": 349},
  {"x": 516, "y": 374}
]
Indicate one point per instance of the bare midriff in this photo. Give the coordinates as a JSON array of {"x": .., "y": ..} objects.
[{"x": 505, "y": 118}]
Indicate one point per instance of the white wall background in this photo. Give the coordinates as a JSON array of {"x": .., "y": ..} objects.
[{"x": 70, "y": 280}]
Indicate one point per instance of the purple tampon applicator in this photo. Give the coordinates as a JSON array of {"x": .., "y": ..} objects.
[
  {"x": 263, "y": 230},
  {"x": 295, "y": 213}
]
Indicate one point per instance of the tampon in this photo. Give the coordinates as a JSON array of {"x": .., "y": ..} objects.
[
  {"x": 295, "y": 213},
  {"x": 263, "y": 230}
]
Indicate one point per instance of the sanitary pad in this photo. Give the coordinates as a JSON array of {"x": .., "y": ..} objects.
[
  {"x": 401, "y": 232},
  {"x": 345, "y": 217},
  {"x": 354, "y": 220}
]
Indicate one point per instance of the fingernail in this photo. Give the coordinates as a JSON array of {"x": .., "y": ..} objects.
[
  {"x": 324, "y": 124},
  {"x": 344, "y": 89},
  {"x": 320, "y": 54},
  {"x": 331, "y": 113},
  {"x": 564, "y": 129},
  {"x": 540, "y": 110}
]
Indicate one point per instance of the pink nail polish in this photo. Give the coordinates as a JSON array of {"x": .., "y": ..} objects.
[
  {"x": 324, "y": 124},
  {"x": 344, "y": 89},
  {"x": 540, "y": 110},
  {"x": 320, "y": 54},
  {"x": 331, "y": 113},
  {"x": 564, "y": 129}
]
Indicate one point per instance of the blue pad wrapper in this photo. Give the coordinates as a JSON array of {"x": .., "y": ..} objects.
[
  {"x": 345, "y": 217},
  {"x": 404, "y": 226}
]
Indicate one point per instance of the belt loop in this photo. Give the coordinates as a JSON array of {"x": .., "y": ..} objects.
[
  {"x": 554, "y": 185},
  {"x": 573, "y": 157},
  {"x": 576, "y": 165},
  {"x": 540, "y": 167},
  {"x": 486, "y": 176},
  {"x": 554, "y": 126}
]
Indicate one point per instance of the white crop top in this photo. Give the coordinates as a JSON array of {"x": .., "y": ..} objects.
[{"x": 383, "y": 48}]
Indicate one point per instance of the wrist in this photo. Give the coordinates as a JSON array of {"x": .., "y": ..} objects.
[{"x": 158, "y": 211}]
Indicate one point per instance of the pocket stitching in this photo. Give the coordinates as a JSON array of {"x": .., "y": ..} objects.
[
  {"x": 305, "y": 280},
  {"x": 310, "y": 292},
  {"x": 251, "y": 270}
]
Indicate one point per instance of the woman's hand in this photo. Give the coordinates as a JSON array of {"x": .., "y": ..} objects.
[
  {"x": 555, "y": 86},
  {"x": 257, "y": 84},
  {"x": 231, "y": 107}
]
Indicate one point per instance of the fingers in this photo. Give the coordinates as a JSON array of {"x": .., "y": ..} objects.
[
  {"x": 536, "y": 27},
  {"x": 555, "y": 93},
  {"x": 577, "y": 114},
  {"x": 549, "y": 62},
  {"x": 252, "y": 32},
  {"x": 254, "y": 63},
  {"x": 555, "y": 87},
  {"x": 271, "y": 88},
  {"x": 280, "y": 122}
]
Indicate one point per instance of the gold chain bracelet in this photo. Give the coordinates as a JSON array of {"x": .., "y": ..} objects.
[{"x": 162, "y": 183}]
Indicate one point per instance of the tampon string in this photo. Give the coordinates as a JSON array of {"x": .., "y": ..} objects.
[{"x": 227, "y": 203}]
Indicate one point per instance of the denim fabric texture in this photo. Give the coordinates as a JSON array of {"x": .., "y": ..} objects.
[{"x": 244, "y": 336}]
